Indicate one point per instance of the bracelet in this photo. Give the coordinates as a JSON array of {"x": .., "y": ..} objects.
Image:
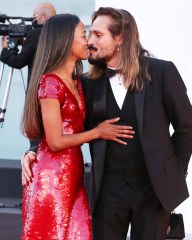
[{"x": 29, "y": 152}]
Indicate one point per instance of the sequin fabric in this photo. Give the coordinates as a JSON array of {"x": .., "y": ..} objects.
[{"x": 54, "y": 204}]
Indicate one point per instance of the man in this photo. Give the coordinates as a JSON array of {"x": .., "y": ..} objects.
[
  {"x": 41, "y": 14},
  {"x": 141, "y": 183}
]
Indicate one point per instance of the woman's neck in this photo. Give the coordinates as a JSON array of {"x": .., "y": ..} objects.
[{"x": 65, "y": 72}]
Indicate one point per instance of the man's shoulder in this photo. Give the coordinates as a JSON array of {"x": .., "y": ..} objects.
[
  {"x": 34, "y": 32},
  {"x": 152, "y": 61},
  {"x": 87, "y": 82},
  {"x": 32, "y": 38},
  {"x": 85, "y": 79},
  {"x": 85, "y": 76},
  {"x": 158, "y": 64}
]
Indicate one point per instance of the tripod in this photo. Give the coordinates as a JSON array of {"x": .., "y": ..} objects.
[{"x": 7, "y": 90}]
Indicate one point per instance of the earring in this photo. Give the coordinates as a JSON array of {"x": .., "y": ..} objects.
[{"x": 118, "y": 48}]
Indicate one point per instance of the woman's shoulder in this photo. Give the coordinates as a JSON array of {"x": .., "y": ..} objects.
[{"x": 51, "y": 86}]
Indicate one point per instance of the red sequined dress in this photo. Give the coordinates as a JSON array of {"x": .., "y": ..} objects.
[{"x": 54, "y": 204}]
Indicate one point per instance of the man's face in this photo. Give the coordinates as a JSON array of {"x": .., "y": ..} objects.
[
  {"x": 102, "y": 46},
  {"x": 38, "y": 16}
]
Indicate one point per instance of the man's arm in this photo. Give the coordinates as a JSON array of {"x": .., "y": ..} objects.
[
  {"x": 34, "y": 145},
  {"x": 179, "y": 110},
  {"x": 25, "y": 57}
]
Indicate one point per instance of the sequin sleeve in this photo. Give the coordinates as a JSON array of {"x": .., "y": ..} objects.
[{"x": 51, "y": 87}]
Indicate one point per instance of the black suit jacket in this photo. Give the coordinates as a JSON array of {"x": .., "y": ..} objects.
[
  {"x": 162, "y": 102},
  {"x": 27, "y": 54}
]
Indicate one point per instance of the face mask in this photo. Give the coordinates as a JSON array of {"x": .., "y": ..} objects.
[{"x": 35, "y": 24}]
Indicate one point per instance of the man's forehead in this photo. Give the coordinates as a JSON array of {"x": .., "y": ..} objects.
[
  {"x": 37, "y": 10},
  {"x": 101, "y": 23}
]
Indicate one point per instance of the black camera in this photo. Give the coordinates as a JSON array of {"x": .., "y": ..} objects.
[{"x": 14, "y": 31}]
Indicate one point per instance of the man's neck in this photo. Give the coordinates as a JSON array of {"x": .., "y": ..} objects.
[{"x": 114, "y": 63}]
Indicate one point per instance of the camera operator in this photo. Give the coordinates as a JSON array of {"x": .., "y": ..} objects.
[{"x": 25, "y": 57}]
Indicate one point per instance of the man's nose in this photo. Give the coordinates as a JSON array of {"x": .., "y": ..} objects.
[{"x": 90, "y": 40}]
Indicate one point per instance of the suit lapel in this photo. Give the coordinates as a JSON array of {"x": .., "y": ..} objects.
[
  {"x": 139, "y": 104},
  {"x": 99, "y": 115},
  {"x": 99, "y": 99}
]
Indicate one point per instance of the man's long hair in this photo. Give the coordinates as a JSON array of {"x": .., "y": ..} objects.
[
  {"x": 133, "y": 62},
  {"x": 53, "y": 51}
]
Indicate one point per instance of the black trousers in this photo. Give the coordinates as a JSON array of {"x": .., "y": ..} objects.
[{"x": 117, "y": 209}]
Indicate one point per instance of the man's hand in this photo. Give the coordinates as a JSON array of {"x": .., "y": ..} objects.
[
  {"x": 4, "y": 42},
  {"x": 26, "y": 161},
  {"x": 21, "y": 41}
]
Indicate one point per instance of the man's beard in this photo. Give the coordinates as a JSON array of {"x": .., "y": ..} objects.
[
  {"x": 97, "y": 61},
  {"x": 100, "y": 60}
]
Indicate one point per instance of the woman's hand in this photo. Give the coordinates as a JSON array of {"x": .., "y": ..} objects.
[{"x": 110, "y": 131}]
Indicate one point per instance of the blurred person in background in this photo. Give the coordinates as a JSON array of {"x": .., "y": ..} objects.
[{"x": 25, "y": 57}]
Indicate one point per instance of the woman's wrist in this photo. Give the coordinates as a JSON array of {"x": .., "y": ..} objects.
[
  {"x": 29, "y": 151},
  {"x": 95, "y": 133}
]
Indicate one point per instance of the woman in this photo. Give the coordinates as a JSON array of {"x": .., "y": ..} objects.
[{"x": 54, "y": 204}]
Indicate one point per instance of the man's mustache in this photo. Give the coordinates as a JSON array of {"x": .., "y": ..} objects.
[{"x": 92, "y": 48}]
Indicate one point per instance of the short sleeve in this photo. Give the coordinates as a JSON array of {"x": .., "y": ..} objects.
[{"x": 51, "y": 87}]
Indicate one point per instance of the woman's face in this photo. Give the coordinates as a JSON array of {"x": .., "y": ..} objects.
[{"x": 79, "y": 46}]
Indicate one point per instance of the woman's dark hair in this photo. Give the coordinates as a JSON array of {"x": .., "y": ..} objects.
[{"x": 53, "y": 51}]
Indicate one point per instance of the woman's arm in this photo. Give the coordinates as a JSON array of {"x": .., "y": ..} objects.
[{"x": 52, "y": 122}]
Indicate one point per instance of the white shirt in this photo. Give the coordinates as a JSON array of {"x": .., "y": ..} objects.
[{"x": 118, "y": 89}]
